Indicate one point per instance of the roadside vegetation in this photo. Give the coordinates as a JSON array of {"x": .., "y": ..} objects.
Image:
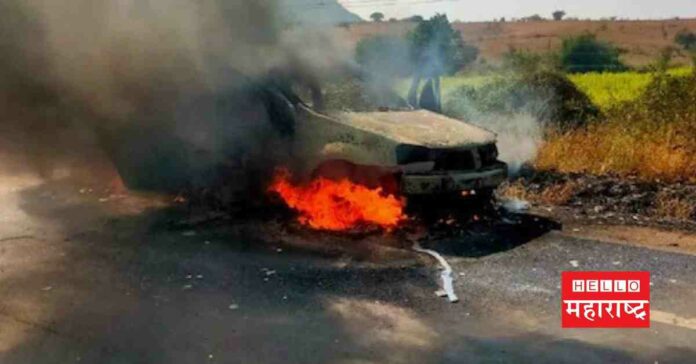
[
  {"x": 610, "y": 89},
  {"x": 574, "y": 121},
  {"x": 633, "y": 123},
  {"x": 597, "y": 116},
  {"x": 652, "y": 136},
  {"x": 627, "y": 123}
]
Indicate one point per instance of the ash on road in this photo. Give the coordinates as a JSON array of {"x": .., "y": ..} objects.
[{"x": 88, "y": 276}]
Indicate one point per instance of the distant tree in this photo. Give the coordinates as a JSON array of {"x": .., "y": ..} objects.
[
  {"x": 558, "y": 15},
  {"x": 686, "y": 40},
  {"x": 437, "y": 48},
  {"x": 535, "y": 17},
  {"x": 392, "y": 20},
  {"x": 377, "y": 16},
  {"x": 662, "y": 62},
  {"x": 584, "y": 53},
  {"x": 415, "y": 18}
]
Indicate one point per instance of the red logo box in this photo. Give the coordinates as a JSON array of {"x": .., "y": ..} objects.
[{"x": 605, "y": 299}]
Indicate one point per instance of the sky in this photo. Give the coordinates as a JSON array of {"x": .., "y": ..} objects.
[{"x": 480, "y": 10}]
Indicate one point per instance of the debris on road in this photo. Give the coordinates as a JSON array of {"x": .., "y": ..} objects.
[
  {"x": 515, "y": 205},
  {"x": 605, "y": 199},
  {"x": 446, "y": 274}
]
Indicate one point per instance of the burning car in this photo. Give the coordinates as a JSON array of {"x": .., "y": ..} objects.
[
  {"x": 359, "y": 162},
  {"x": 405, "y": 152},
  {"x": 412, "y": 152}
]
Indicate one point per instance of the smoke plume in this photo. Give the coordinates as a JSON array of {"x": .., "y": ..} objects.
[
  {"x": 143, "y": 80},
  {"x": 520, "y": 133}
]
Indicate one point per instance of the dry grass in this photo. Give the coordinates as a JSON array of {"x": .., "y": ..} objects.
[
  {"x": 665, "y": 153},
  {"x": 641, "y": 41},
  {"x": 513, "y": 191},
  {"x": 556, "y": 194},
  {"x": 674, "y": 207}
]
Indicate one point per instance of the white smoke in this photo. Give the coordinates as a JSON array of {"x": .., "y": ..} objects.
[{"x": 519, "y": 137}]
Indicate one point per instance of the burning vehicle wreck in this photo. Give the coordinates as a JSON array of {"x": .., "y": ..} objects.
[
  {"x": 214, "y": 181},
  {"x": 425, "y": 153},
  {"x": 406, "y": 152}
]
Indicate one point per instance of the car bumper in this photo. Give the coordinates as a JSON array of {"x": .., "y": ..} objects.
[{"x": 453, "y": 181}]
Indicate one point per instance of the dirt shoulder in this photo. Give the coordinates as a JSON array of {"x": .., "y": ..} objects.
[{"x": 674, "y": 241}]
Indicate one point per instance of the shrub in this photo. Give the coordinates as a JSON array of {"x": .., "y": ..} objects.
[
  {"x": 528, "y": 62},
  {"x": 585, "y": 53},
  {"x": 535, "y": 17},
  {"x": 548, "y": 96},
  {"x": 686, "y": 39},
  {"x": 668, "y": 99}
]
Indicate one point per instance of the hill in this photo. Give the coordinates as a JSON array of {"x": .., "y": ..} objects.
[
  {"x": 312, "y": 12},
  {"x": 640, "y": 41}
]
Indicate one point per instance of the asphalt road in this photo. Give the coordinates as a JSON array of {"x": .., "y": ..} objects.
[{"x": 92, "y": 278}]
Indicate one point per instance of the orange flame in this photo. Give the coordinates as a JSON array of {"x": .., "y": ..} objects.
[{"x": 338, "y": 205}]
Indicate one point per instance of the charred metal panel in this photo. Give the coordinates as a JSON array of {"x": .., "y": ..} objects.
[
  {"x": 452, "y": 181},
  {"x": 320, "y": 138}
]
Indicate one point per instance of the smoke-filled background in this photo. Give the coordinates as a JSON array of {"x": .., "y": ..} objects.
[
  {"x": 98, "y": 75},
  {"x": 168, "y": 88}
]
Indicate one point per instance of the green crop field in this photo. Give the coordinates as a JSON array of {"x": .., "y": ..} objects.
[
  {"x": 604, "y": 89},
  {"x": 610, "y": 89}
]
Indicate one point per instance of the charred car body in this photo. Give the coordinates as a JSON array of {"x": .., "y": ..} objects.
[
  {"x": 415, "y": 152},
  {"x": 241, "y": 135}
]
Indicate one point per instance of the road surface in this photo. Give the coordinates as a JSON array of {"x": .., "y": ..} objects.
[{"x": 88, "y": 277}]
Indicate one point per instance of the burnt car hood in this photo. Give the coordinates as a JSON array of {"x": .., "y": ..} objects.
[{"x": 418, "y": 127}]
